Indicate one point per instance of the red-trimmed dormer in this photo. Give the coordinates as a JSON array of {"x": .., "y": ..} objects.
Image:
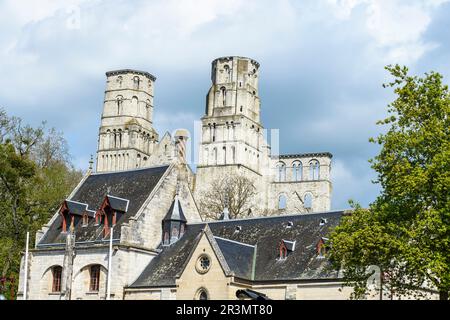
[
  {"x": 110, "y": 212},
  {"x": 72, "y": 212}
]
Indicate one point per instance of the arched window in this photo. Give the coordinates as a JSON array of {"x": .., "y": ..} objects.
[
  {"x": 224, "y": 155},
  {"x": 314, "y": 170},
  {"x": 215, "y": 155},
  {"x": 308, "y": 201},
  {"x": 202, "y": 294},
  {"x": 119, "y": 81},
  {"x": 233, "y": 154},
  {"x": 134, "y": 105},
  {"x": 282, "y": 202},
  {"x": 136, "y": 82},
  {"x": 281, "y": 171},
  {"x": 56, "y": 281},
  {"x": 94, "y": 273},
  {"x": 297, "y": 169},
  {"x": 224, "y": 96},
  {"x": 119, "y": 101}
]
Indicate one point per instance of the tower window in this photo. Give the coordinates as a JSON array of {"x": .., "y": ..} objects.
[
  {"x": 281, "y": 168},
  {"x": 94, "y": 272},
  {"x": 314, "y": 170},
  {"x": 56, "y": 283},
  {"x": 297, "y": 171},
  {"x": 136, "y": 82}
]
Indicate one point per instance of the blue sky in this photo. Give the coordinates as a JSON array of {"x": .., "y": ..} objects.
[{"x": 320, "y": 76}]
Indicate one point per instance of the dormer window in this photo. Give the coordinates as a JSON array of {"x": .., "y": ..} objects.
[
  {"x": 285, "y": 247},
  {"x": 322, "y": 249},
  {"x": 85, "y": 219},
  {"x": 282, "y": 251},
  {"x": 111, "y": 210},
  {"x": 71, "y": 213}
]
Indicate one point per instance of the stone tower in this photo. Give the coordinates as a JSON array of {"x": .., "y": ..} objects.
[
  {"x": 126, "y": 136},
  {"x": 232, "y": 134},
  {"x": 231, "y": 128}
]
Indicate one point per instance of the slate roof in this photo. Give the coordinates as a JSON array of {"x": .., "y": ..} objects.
[
  {"x": 76, "y": 207},
  {"x": 118, "y": 204},
  {"x": 175, "y": 211},
  {"x": 133, "y": 185},
  {"x": 252, "y": 254}
]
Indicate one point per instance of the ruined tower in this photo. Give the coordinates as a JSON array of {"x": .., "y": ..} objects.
[{"x": 126, "y": 137}]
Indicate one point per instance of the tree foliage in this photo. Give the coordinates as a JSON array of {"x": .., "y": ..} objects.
[
  {"x": 35, "y": 176},
  {"x": 406, "y": 230},
  {"x": 236, "y": 192}
]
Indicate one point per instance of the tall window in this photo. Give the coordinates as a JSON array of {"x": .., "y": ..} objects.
[
  {"x": 314, "y": 170},
  {"x": 223, "y": 93},
  {"x": 94, "y": 272},
  {"x": 136, "y": 82},
  {"x": 56, "y": 283},
  {"x": 119, "y": 101},
  {"x": 282, "y": 201},
  {"x": 281, "y": 171},
  {"x": 297, "y": 169}
]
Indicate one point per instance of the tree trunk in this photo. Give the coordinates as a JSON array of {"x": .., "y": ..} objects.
[{"x": 443, "y": 295}]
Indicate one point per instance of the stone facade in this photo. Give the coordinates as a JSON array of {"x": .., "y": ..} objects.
[{"x": 232, "y": 143}]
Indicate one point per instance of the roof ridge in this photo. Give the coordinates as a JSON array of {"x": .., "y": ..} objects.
[
  {"x": 129, "y": 170},
  {"x": 234, "y": 241},
  {"x": 270, "y": 217}
]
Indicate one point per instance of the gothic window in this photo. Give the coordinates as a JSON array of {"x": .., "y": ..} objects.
[
  {"x": 314, "y": 170},
  {"x": 202, "y": 294},
  {"x": 56, "y": 281},
  {"x": 308, "y": 201},
  {"x": 94, "y": 273},
  {"x": 281, "y": 171},
  {"x": 214, "y": 132},
  {"x": 119, "y": 81},
  {"x": 297, "y": 171},
  {"x": 282, "y": 202},
  {"x": 228, "y": 73},
  {"x": 136, "y": 82}
]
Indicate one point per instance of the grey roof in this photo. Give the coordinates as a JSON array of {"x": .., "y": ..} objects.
[
  {"x": 175, "y": 211},
  {"x": 239, "y": 256},
  {"x": 133, "y": 185},
  {"x": 118, "y": 204},
  {"x": 76, "y": 207},
  {"x": 252, "y": 252}
]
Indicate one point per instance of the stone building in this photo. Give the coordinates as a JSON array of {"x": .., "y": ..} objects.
[{"x": 143, "y": 194}]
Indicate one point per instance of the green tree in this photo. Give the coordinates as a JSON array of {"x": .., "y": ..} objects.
[
  {"x": 406, "y": 230},
  {"x": 35, "y": 176}
]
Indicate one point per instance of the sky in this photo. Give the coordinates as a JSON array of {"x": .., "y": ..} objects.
[{"x": 321, "y": 74}]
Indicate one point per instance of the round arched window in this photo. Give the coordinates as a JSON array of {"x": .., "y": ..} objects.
[{"x": 203, "y": 264}]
